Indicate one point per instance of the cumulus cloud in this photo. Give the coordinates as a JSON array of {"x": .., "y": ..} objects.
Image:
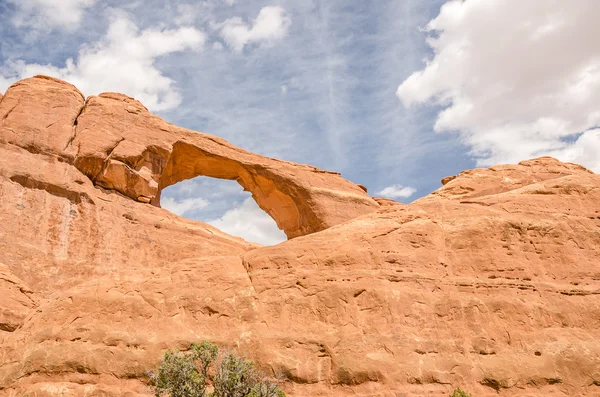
[
  {"x": 271, "y": 25},
  {"x": 123, "y": 61},
  {"x": 516, "y": 79},
  {"x": 182, "y": 206},
  {"x": 397, "y": 191},
  {"x": 251, "y": 223},
  {"x": 42, "y": 14}
]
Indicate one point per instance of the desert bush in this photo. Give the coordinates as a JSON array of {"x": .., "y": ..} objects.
[
  {"x": 186, "y": 374},
  {"x": 459, "y": 393},
  {"x": 235, "y": 377}
]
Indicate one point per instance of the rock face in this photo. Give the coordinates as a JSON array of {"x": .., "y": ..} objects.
[{"x": 491, "y": 283}]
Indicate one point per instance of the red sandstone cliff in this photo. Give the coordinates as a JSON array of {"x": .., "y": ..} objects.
[{"x": 491, "y": 283}]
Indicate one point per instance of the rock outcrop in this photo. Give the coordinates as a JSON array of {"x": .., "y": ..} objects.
[
  {"x": 119, "y": 145},
  {"x": 491, "y": 283}
]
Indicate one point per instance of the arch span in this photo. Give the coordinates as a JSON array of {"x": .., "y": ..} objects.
[{"x": 189, "y": 161}]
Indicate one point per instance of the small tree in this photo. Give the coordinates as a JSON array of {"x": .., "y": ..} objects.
[
  {"x": 236, "y": 377},
  {"x": 186, "y": 374},
  {"x": 265, "y": 388},
  {"x": 459, "y": 393},
  {"x": 205, "y": 355},
  {"x": 178, "y": 376}
]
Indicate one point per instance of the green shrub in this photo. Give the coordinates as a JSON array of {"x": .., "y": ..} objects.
[
  {"x": 459, "y": 393},
  {"x": 235, "y": 377},
  {"x": 186, "y": 374}
]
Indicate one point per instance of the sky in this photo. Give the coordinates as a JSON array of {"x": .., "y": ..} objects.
[{"x": 394, "y": 94}]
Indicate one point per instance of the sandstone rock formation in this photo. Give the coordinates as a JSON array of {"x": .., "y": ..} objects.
[
  {"x": 119, "y": 145},
  {"x": 491, "y": 283}
]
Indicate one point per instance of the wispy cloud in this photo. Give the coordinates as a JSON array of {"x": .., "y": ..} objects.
[
  {"x": 516, "y": 79},
  {"x": 396, "y": 191},
  {"x": 48, "y": 14},
  {"x": 271, "y": 25},
  {"x": 325, "y": 94},
  {"x": 183, "y": 206}
]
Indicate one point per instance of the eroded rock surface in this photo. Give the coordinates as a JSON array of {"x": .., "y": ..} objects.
[
  {"x": 17, "y": 300},
  {"x": 491, "y": 283}
]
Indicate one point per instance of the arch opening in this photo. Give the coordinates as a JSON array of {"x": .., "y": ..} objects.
[
  {"x": 279, "y": 201},
  {"x": 223, "y": 204}
]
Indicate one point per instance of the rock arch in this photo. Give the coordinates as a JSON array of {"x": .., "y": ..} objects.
[
  {"x": 189, "y": 161},
  {"x": 120, "y": 145}
]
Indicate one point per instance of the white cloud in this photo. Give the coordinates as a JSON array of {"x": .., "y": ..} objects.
[
  {"x": 397, "y": 191},
  {"x": 182, "y": 206},
  {"x": 4, "y": 83},
  {"x": 231, "y": 209},
  {"x": 517, "y": 79},
  {"x": 251, "y": 223},
  {"x": 187, "y": 13},
  {"x": 43, "y": 14},
  {"x": 195, "y": 13},
  {"x": 271, "y": 24},
  {"x": 123, "y": 62}
]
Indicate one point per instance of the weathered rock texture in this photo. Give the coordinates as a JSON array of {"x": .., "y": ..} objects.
[{"x": 491, "y": 283}]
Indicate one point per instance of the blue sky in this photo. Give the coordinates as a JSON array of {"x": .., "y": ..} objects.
[{"x": 394, "y": 94}]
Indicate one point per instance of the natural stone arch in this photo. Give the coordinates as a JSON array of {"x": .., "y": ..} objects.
[
  {"x": 141, "y": 154},
  {"x": 120, "y": 145},
  {"x": 188, "y": 161}
]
